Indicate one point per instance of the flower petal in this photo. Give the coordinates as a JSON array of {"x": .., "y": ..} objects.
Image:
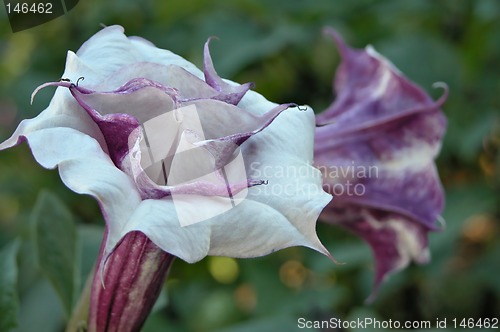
[
  {"x": 222, "y": 148},
  {"x": 396, "y": 241},
  {"x": 158, "y": 220},
  {"x": 229, "y": 93},
  {"x": 86, "y": 169},
  {"x": 187, "y": 85},
  {"x": 250, "y": 229},
  {"x": 372, "y": 91},
  {"x": 110, "y": 50},
  {"x": 282, "y": 156},
  {"x": 119, "y": 113},
  {"x": 61, "y": 112}
]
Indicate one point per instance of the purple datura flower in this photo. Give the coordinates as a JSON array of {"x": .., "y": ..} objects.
[
  {"x": 176, "y": 158},
  {"x": 375, "y": 146}
]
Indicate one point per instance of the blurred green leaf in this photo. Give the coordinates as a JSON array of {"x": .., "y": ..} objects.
[
  {"x": 364, "y": 314},
  {"x": 40, "y": 309},
  {"x": 473, "y": 140},
  {"x": 9, "y": 302},
  {"x": 90, "y": 237},
  {"x": 56, "y": 239}
]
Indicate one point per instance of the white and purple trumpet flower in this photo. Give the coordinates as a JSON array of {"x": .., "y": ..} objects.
[
  {"x": 171, "y": 154},
  {"x": 376, "y": 145}
]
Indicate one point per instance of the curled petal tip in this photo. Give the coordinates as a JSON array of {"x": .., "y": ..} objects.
[
  {"x": 442, "y": 85},
  {"x": 329, "y": 31},
  {"x": 444, "y": 97},
  {"x": 65, "y": 84},
  {"x": 209, "y": 39},
  {"x": 333, "y": 259},
  {"x": 337, "y": 38},
  {"x": 441, "y": 223}
]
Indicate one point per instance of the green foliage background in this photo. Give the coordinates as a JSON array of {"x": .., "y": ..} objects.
[{"x": 279, "y": 46}]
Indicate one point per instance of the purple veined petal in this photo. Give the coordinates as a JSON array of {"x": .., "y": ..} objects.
[
  {"x": 231, "y": 94},
  {"x": 215, "y": 115},
  {"x": 269, "y": 148},
  {"x": 384, "y": 134},
  {"x": 187, "y": 85},
  {"x": 223, "y": 148},
  {"x": 371, "y": 91},
  {"x": 375, "y": 146},
  {"x": 141, "y": 98},
  {"x": 118, "y": 113},
  {"x": 396, "y": 241},
  {"x": 369, "y": 169}
]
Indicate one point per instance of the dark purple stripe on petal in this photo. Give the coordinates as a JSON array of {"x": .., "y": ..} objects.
[
  {"x": 118, "y": 119},
  {"x": 150, "y": 190},
  {"x": 116, "y": 129}
]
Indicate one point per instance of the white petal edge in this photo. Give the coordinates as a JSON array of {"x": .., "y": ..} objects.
[
  {"x": 86, "y": 169},
  {"x": 282, "y": 155},
  {"x": 110, "y": 49}
]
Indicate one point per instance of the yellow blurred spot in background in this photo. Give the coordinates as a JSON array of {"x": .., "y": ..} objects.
[
  {"x": 479, "y": 228},
  {"x": 17, "y": 54},
  {"x": 224, "y": 269},
  {"x": 293, "y": 274},
  {"x": 245, "y": 298}
]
